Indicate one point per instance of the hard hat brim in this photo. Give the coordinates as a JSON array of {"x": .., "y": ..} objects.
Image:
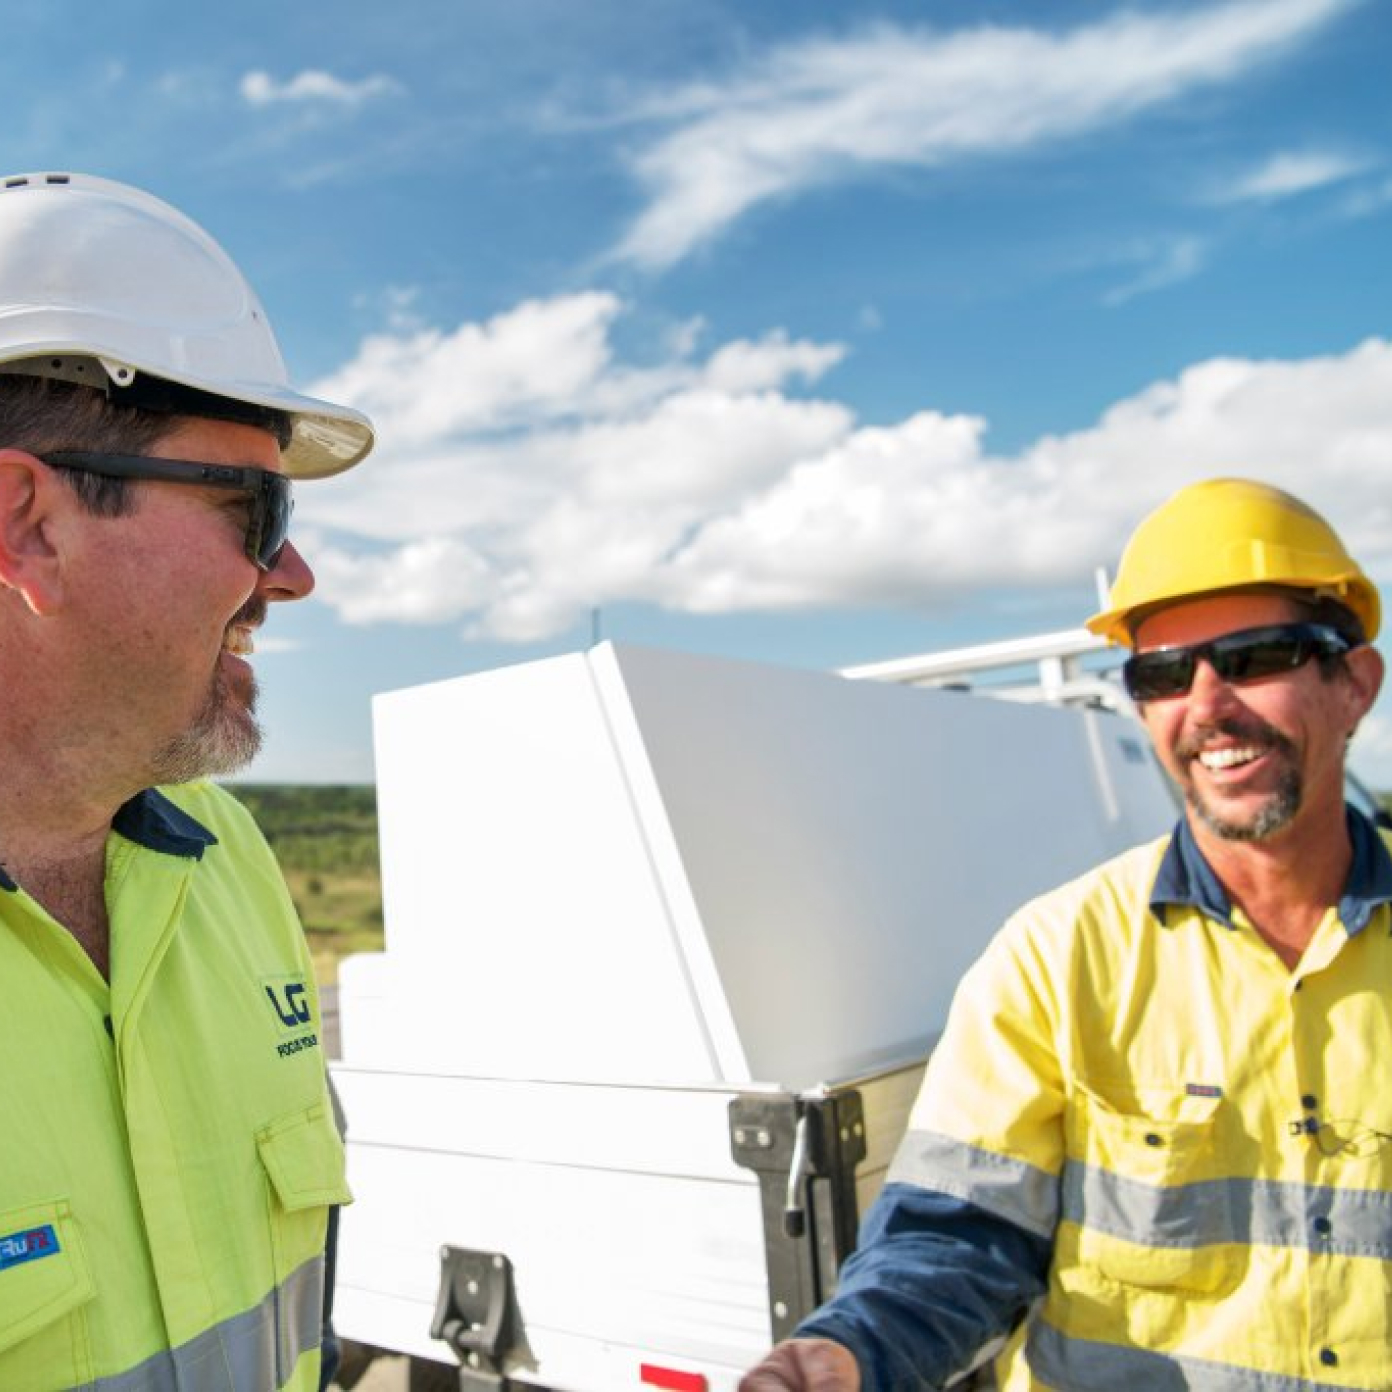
[
  {"x": 325, "y": 439},
  {"x": 1355, "y": 592}
]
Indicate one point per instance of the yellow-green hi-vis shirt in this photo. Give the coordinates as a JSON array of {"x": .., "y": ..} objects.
[
  {"x": 167, "y": 1148},
  {"x": 1204, "y": 1135}
]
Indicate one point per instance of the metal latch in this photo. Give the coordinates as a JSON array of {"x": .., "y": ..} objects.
[
  {"x": 475, "y": 1315},
  {"x": 799, "y": 1168},
  {"x": 804, "y": 1150}
]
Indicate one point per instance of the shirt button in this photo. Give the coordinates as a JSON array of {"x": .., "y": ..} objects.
[
  {"x": 1309, "y": 1101},
  {"x": 1328, "y": 1357},
  {"x": 1323, "y": 1226}
]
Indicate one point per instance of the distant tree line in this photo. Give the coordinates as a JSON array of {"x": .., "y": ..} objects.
[
  {"x": 325, "y": 838},
  {"x": 319, "y": 828}
]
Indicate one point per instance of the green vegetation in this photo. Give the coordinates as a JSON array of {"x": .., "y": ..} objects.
[{"x": 326, "y": 841}]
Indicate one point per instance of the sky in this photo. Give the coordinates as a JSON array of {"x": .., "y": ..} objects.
[{"x": 808, "y": 333}]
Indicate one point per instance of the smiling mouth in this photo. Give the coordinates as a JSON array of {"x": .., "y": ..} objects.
[
  {"x": 1224, "y": 746},
  {"x": 1218, "y": 759},
  {"x": 239, "y": 637},
  {"x": 238, "y": 640}
]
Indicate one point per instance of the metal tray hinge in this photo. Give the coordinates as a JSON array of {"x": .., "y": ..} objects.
[{"x": 475, "y": 1315}]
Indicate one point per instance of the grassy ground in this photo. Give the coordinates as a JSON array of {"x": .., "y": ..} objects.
[{"x": 326, "y": 841}]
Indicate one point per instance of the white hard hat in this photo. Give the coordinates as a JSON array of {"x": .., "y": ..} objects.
[{"x": 103, "y": 284}]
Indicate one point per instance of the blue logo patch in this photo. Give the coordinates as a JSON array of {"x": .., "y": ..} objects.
[
  {"x": 28, "y": 1246},
  {"x": 289, "y": 998}
]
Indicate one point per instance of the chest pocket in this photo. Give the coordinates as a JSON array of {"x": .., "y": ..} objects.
[
  {"x": 303, "y": 1157},
  {"x": 1150, "y": 1209},
  {"x": 44, "y": 1283}
]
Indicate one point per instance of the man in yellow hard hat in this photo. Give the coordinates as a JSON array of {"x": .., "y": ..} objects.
[
  {"x": 168, "y": 1154},
  {"x": 1154, "y": 1147}
]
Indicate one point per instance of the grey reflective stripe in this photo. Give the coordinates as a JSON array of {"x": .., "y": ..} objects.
[
  {"x": 1021, "y": 1194},
  {"x": 1318, "y": 1218},
  {"x": 1084, "y": 1365},
  {"x": 1342, "y": 1222},
  {"x": 254, "y": 1351}
]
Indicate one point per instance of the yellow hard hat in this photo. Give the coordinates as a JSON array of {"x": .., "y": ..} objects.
[{"x": 1231, "y": 534}]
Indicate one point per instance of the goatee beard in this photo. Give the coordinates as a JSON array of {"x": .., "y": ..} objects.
[
  {"x": 225, "y": 736},
  {"x": 1281, "y": 804}
]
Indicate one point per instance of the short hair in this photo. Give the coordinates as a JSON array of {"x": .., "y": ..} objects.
[
  {"x": 1326, "y": 609},
  {"x": 42, "y": 415},
  {"x": 1317, "y": 606}
]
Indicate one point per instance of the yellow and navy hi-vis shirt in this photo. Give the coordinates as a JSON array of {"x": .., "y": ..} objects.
[
  {"x": 1204, "y": 1136},
  {"x": 168, "y": 1154}
]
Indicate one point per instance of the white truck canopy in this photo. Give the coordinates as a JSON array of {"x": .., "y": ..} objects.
[{"x": 635, "y": 865}]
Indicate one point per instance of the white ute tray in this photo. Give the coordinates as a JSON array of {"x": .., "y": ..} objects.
[{"x": 627, "y": 889}]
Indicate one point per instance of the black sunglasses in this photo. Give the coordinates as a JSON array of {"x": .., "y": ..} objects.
[
  {"x": 268, "y": 523},
  {"x": 1248, "y": 655}
]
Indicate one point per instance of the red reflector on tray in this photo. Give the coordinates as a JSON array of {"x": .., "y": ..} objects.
[{"x": 672, "y": 1379}]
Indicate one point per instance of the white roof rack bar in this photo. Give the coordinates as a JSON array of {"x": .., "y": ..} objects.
[{"x": 1052, "y": 648}]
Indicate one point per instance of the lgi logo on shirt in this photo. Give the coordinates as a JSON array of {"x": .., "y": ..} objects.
[{"x": 288, "y": 997}]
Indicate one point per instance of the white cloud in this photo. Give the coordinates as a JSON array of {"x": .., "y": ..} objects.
[
  {"x": 523, "y": 439},
  {"x": 1163, "y": 261},
  {"x": 515, "y": 490},
  {"x": 535, "y": 361},
  {"x": 746, "y": 367},
  {"x": 429, "y": 581},
  {"x": 818, "y": 112},
  {"x": 497, "y": 428},
  {"x": 315, "y": 86},
  {"x": 918, "y": 512},
  {"x": 1290, "y": 173}
]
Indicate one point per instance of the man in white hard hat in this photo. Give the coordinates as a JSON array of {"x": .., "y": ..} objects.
[
  {"x": 168, "y": 1156},
  {"x": 1154, "y": 1146}
]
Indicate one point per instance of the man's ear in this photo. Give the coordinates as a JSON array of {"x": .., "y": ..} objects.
[
  {"x": 1365, "y": 669},
  {"x": 32, "y": 502}
]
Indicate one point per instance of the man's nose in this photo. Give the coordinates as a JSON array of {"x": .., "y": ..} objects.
[
  {"x": 290, "y": 577},
  {"x": 1209, "y": 691}
]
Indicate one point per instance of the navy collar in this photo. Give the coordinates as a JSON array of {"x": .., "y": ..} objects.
[
  {"x": 151, "y": 820},
  {"x": 1185, "y": 877}
]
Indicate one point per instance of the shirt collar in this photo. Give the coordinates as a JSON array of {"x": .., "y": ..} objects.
[
  {"x": 151, "y": 820},
  {"x": 1185, "y": 877}
]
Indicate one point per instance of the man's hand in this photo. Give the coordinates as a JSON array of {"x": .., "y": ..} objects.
[{"x": 805, "y": 1365}]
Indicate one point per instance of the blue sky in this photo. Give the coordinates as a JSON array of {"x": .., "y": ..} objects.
[{"x": 813, "y": 333}]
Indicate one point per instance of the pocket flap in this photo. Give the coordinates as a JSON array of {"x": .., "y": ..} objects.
[
  {"x": 303, "y": 1155},
  {"x": 43, "y": 1269},
  {"x": 1157, "y": 1136}
]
